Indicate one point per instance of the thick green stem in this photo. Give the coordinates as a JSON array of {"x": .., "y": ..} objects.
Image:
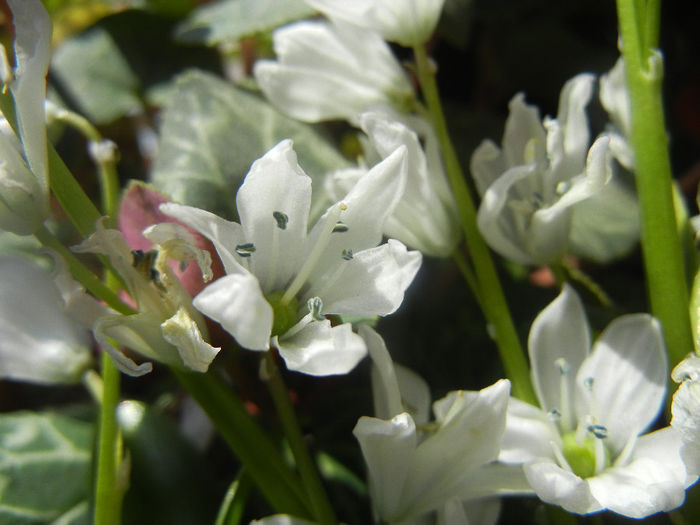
[
  {"x": 108, "y": 492},
  {"x": 663, "y": 257},
  {"x": 315, "y": 492},
  {"x": 260, "y": 458},
  {"x": 493, "y": 301}
]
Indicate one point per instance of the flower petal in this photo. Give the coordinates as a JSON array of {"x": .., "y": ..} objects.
[
  {"x": 628, "y": 368},
  {"x": 225, "y": 235},
  {"x": 182, "y": 332},
  {"x": 373, "y": 282},
  {"x": 558, "y": 343},
  {"x": 320, "y": 349},
  {"x": 385, "y": 385},
  {"x": 273, "y": 205},
  {"x": 557, "y": 486},
  {"x": 237, "y": 303},
  {"x": 527, "y": 435},
  {"x": 387, "y": 447}
]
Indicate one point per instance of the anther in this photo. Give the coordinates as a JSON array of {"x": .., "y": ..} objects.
[
  {"x": 315, "y": 304},
  {"x": 245, "y": 250},
  {"x": 588, "y": 383},
  {"x": 554, "y": 415},
  {"x": 340, "y": 227},
  {"x": 563, "y": 366},
  {"x": 347, "y": 255},
  {"x": 281, "y": 218},
  {"x": 598, "y": 431}
]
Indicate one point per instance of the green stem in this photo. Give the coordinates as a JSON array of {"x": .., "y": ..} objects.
[
  {"x": 233, "y": 505},
  {"x": 106, "y": 163},
  {"x": 260, "y": 458},
  {"x": 493, "y": 301},
  {"x": 108, "y": 492},
  {"x": 307, "y": 470},
  {"x": 661, "y": 248}
]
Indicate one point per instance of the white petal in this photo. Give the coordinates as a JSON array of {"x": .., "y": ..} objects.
[
  {"x": 642, "y": 488},
  {"x": 527, "y": 435},
  {"x": 614, "y": 97},
  {"x": 629, "y": 370},
  {"x": 387, "y": 447},
  {"x": 182, "y": 332},
  {"x": 554, "y": 485},
  {"x": 415, "y": 394},
  {"x": 32, "y": 50},
  {"x": 373, "y": 282},
  {"x": 524, "y": 135},
  {"x": 487, "y": 164},
  {"x": 469, "y": 436},
  {"x": 275, "y": 184},
  {"x": 281, "y": 519},
  {"x": 237, "y": 303},
  {"x": 665, "y": 447},
  {"x": 224, "y": 235},
  {"x": 385, "y": 386},
  {"x": 559, "y": 337},
  {"x": 320, "y": 349},
  {"x": 38, "y": 341}
]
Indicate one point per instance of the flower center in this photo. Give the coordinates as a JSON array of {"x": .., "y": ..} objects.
[
  {"x": 585, "y": 451},
  {"x": 284, "y": 312}
]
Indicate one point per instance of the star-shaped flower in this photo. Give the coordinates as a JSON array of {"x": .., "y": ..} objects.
[
  {"x": 585, "y": 448},
  {"x": 282, "y": 278}
]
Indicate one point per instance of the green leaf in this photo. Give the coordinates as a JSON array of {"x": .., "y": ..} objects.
[
  {"x": 231, "y": 20},
  {"x": 211, "y": 134},
  {"x": 96, "y": 76},
  {"x": 44, "y": 469}
]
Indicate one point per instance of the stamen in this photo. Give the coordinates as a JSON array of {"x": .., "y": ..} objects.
[
  {"x": 281, "y": 218},
  {"x": 555, "y": 415},
  {"x": 600, "y": 452},
  {"x": 624, "y": 456},
  {"x": 564, "y": 394},
  {"x": 347, "y": 255},
  {"x": 562, "y": 187},
  {"x": 598, "y": 431},
  {"x": 582, "y": 429},
  {"x": 245, "y": 250},
  {"x": 559, "y": 456},
  {"x": 316, "y": 252},
  {"x": 340, "y": 227},
  {"x": 315, "y": 304}
]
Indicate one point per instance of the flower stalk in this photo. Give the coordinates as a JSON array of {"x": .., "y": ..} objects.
[
  {"x": 661, "y": 246},
  {"x": 493, "y": 300}
]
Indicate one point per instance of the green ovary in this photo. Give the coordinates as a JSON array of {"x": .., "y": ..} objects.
[
  {"x": 581, "y": 456},
  {"x": 284, "y": 314}
]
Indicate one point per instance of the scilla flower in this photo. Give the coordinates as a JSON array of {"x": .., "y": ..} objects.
[
  {"x": 282, "y": 278},
  {"x": 686, "y": 410},
  {"x": 406, "y": 22},
  {"x": 166, "y": 327},
  {"x": 585, "y": 447},
  {"x": 330, "y": 71},
  {"x": 24, "y": 186},
  {"x": 426, "y": 217},
  {"x": 416, "y": 466},
  {"x": 530, "y": 186}
]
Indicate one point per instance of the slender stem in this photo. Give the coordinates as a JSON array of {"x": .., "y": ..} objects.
[
  {"x": 259, "y": 456},
  {"x": 309, "y": 475},
  {"x": 108, "y": 493},
  {"x": 493, "y": 300},
  {"x": 233, "y": 504},
  {"x": 663, "y": 258}
]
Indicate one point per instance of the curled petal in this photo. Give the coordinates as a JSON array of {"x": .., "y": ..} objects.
[
  {"x": 557, "y": 486},
  {"x": 182, "y": 332}
]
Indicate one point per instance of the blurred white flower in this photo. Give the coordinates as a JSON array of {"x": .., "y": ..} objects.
[
  {"x": 39, "y": 342},
  {"x": 283, "y": 279},
  {"x": 416, "y": 466},
  {"x": 407, "y": 22},
  {"x": 615, "y": 99},
  {"x": 426, "y": 216},
  {"x": 530, "y": 187},
  {"x": 166, "y": 327},
  {"x": 585, "y": 448},
  {"x": 24, "y": 187},
  {"x": 330, "y": 71},
  {"x": 685, "y": 408}
]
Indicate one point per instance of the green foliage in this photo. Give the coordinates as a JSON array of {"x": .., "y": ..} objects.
[
  {"x": 44, "y": 469},
  {"x": 231, "y": 20},
  {"x": 212, "y": 132}
]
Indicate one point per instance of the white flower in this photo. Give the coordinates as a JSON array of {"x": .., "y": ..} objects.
[
  {"x": 407, "y": 22},
  {"x": 166, "y": 327},
  {"x": 416, "y": 466},
  {"x": 282, "y": 279},
  {"x": 39, "y": 342},
  {"x": 530, "y": 187},
  {"x": 615, "y": 99},
  {"x": 686, "y": 410},
  {"x": 426, "y": 216},
  {"x": 24, "y": 202},
  {"x": 585, "y": 448},
  {"x": 331, "y": 71}
]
